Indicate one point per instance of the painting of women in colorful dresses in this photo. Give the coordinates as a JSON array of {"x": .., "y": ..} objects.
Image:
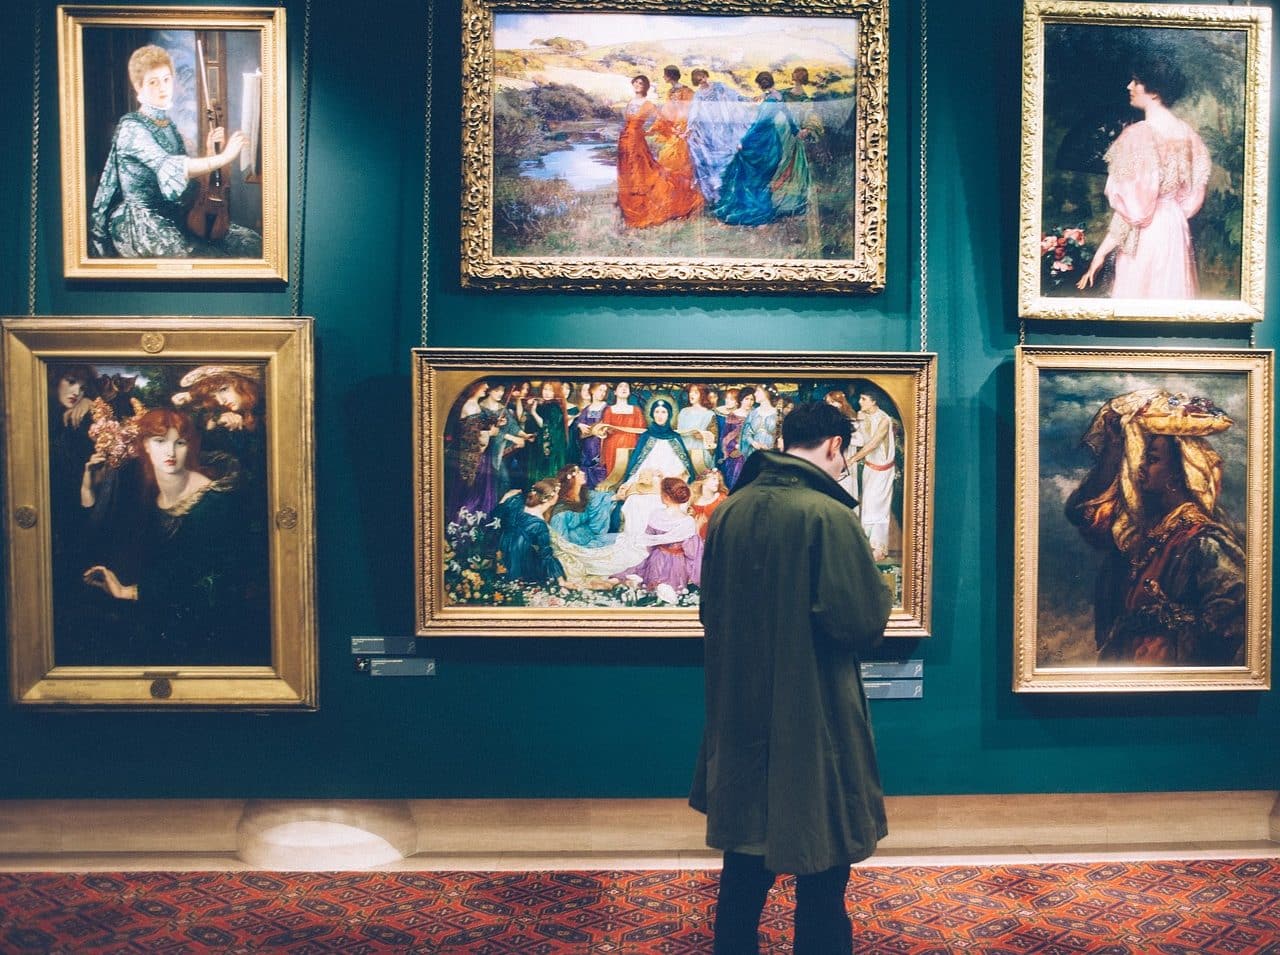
[
  {"x": 659, "y": 136},
  {"x": 159, "y": 514},
  {"x": 630, "y": 534}
]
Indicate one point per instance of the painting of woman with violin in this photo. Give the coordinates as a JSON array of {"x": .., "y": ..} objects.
[
  {"x": 174, "y": 139},
  {"x": 154, "y": 199}
]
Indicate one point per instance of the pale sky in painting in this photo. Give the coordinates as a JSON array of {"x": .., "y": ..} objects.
[{"x": 516, "y": 31}]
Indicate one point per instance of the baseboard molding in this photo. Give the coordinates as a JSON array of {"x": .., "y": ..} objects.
[{"x": 342, "y": 834}]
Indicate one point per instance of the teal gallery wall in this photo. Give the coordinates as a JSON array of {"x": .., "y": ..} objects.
[{"x": 608, "y": 717}]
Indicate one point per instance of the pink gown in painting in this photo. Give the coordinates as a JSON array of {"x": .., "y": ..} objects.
[{"x": 1155, "y": 184}]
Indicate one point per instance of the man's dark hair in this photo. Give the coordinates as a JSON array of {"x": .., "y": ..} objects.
[
  {"x": 671, "y": 73},
  {"x": 808, "y": 424}
]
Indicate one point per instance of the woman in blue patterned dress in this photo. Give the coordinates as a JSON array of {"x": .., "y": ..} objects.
[
  {"x": 760, "y": 430},
  {"x": 140, "y": 208}
]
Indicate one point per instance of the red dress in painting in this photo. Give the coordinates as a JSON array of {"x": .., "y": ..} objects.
[
  {"x": 616, "y": 441},
  {"x": 702, "y": 512},
  {"x": 655, "y": 190}
]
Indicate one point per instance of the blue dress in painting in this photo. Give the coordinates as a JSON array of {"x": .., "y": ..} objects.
[
  {"x": 746, "y": 193},
  {"x": 588, "y": 527},
  {"x": 790, "y": 184},
  {"x": 759, "y": 431},
  {"x": 718, "y": 119},
  {"x": 140, "y": 208},
  {"x": 729, "y": 453},
  {"x": 590, "y": 446},
  {"x": 470, "y": 485},
  {"x": 524, "y": 545},
  {"x": 660, "y": 448},
  {"x": 692, "y": 420}
]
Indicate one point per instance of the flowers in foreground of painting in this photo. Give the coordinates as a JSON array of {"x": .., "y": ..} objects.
[
  {"x": 1064, "y": 255},
  {"x": 474, "y": 574}
]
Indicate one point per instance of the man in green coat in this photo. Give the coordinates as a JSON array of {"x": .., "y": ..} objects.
[{"x": 787, "y": 773}]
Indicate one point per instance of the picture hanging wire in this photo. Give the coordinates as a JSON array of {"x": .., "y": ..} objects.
[
  {"x": 33, "y": 234},
  {"x": 924, "y": 175},
  {"x": 426, "y": 168},
  {"x": 300, "y": 188}
]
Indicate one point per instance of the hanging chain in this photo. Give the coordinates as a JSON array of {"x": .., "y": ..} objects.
[
  {"x": 924, "y": 175},
  {"x": 33, "y": 236},
  {"x": 1022, "y": 331},
  {"x": 300, "y": 178},
  {"x": 1253, "y": 335},
  {"x": 426, "y": 170}
]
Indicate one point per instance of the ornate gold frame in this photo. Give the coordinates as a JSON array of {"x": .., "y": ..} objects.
[
  {"x": 863, "y": 272},
  {"x": 440, "y": 375},
  {"x": 270, "y": 24},
  {"x": 1255, "y": 22},
  {"x": 1254, "y": 370},
  {"x": 31, "y": 345}
]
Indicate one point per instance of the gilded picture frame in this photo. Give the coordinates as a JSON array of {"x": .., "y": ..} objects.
[
  {"x": 1143, "y": 519},
  {"x": 159, "y": 512},
  {"x": 495, "y": 427},
  {"x": 573, "y": 180},
  {"x": 1144, "y": 167},
  {"x": 133, "y": 142}
]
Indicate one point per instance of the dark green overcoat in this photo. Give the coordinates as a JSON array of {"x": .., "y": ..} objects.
[{"x": 791, "y": 598}]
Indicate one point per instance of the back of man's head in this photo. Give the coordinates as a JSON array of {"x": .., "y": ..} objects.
[{"x": 807, "y": 425}]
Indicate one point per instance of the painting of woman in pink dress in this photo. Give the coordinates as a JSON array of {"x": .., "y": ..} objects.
[{"x": 1157, "y": 173}]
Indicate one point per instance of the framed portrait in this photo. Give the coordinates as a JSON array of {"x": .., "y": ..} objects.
[
  {"x": 160, "y": 526},
  {"x": 174, "y": 142},
  {"x": 1144, "y": 161},
  {"x": 662, "y": 145},
  {"x": 1143, "y": 519},
  {"x": 567, "y": 493}
]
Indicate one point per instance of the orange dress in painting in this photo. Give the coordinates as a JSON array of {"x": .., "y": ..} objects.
[
  {"x": 616, "y": 441},
  {"x": 702, "y": 512},
  {"x": 654, "y": 190}
]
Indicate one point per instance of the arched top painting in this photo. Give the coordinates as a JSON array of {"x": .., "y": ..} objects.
[
  {"x": 1144, "y": 161},
  {"x": 649, "y": 144},
  {"x": 569, "y": 493}
]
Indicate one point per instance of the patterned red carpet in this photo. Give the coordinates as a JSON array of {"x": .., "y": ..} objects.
[{"x": 1177, "y": 908}]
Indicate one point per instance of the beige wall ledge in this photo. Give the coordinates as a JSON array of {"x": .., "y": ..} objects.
[{"x": 350, "y": 834}]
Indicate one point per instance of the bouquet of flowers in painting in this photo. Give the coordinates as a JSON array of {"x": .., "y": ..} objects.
[
  {"x": 1064, "y": 257},
  {"x": 598, "y": 494}
]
